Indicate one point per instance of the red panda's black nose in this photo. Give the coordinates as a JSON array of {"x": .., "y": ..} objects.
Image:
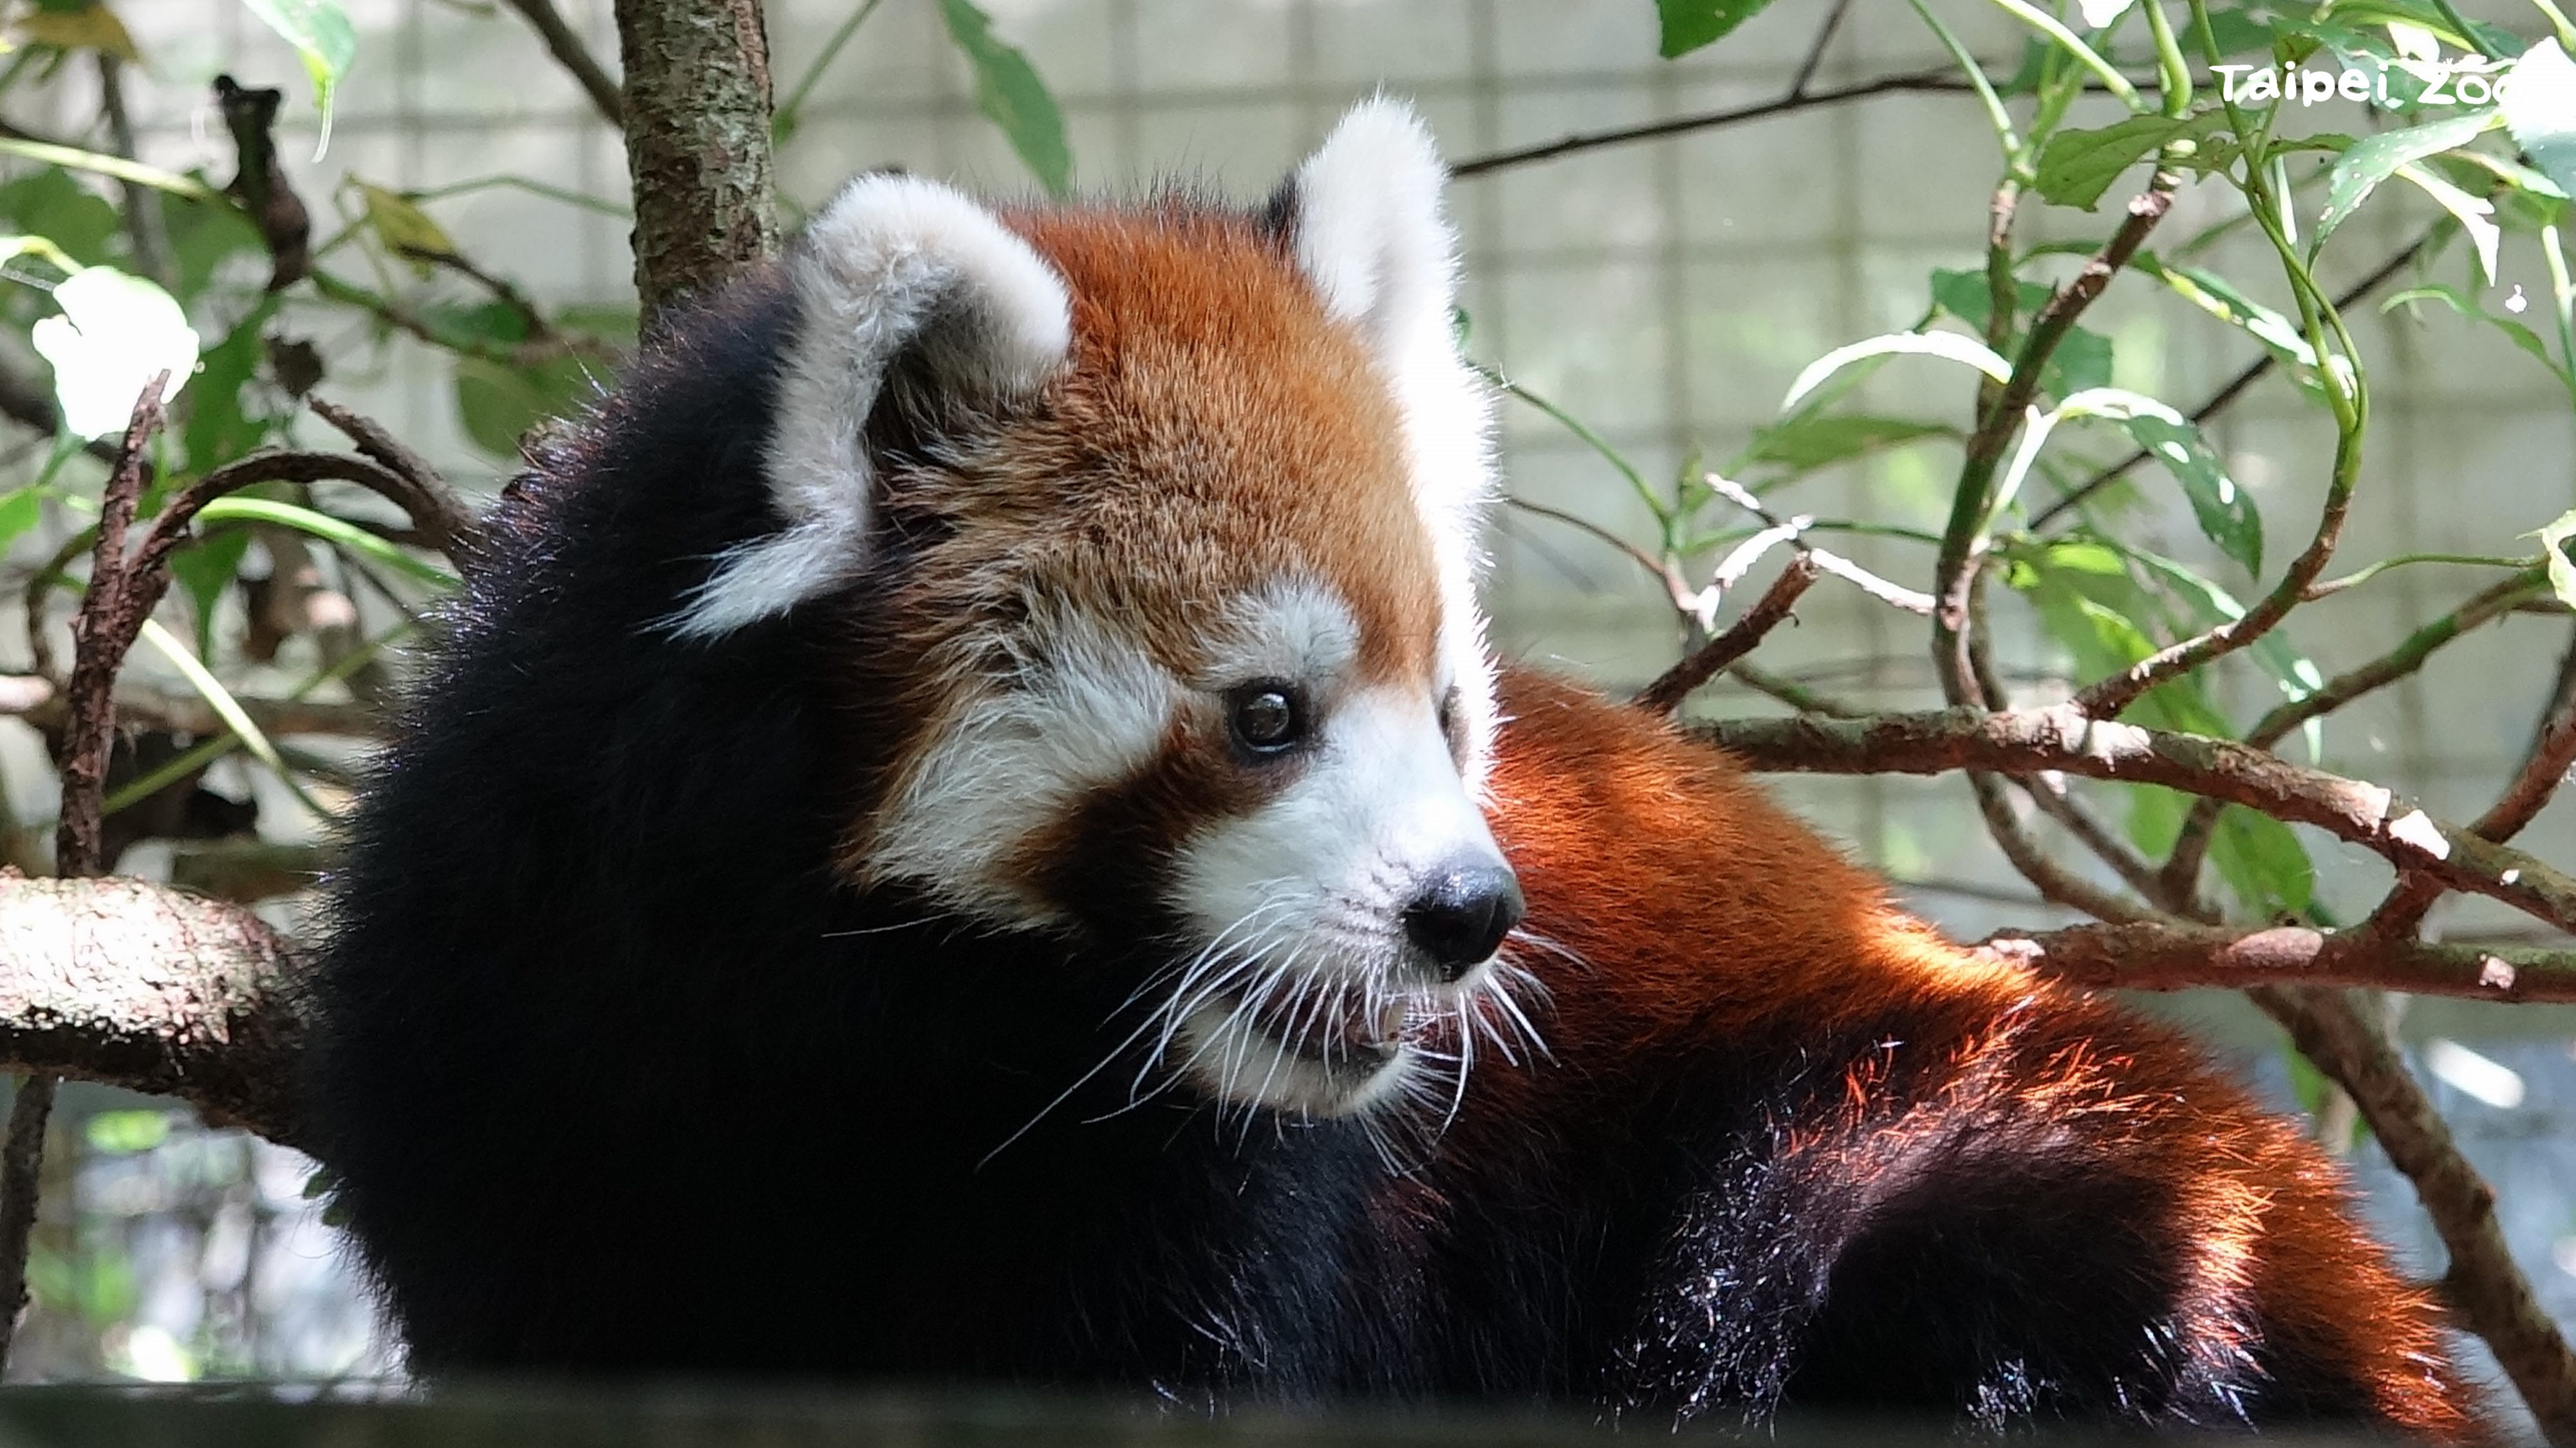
[{"x": 1462, "y": 914}]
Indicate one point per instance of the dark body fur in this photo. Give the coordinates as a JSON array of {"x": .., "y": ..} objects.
[
  {"x": 618, "y": 1074},
  {"x": 615, "y": 1077}
]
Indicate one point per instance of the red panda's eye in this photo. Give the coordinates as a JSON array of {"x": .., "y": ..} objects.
[{"x": 1268, "y": 717}]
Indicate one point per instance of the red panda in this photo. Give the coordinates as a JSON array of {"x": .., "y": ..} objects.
[{"x": 966, "y": 830}]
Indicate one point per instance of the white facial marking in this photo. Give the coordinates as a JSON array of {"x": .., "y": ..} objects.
[
  {"x": 891, "y": 256},
  {"x": 1327, "y": 867},
  {"x": 1372, "y": 239},
  {"x": 1086, "y": 708},
  {"x": 1294, "y": 629}
]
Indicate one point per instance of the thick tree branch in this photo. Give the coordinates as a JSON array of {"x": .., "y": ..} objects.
[
  {"x": 138, "y": 985},
  {"x": 2162, "y": 955},
  {"x": 2552, "y": 754},
  {"x": 2063, "y": 738},
  {"x": 697, "y": 143}
]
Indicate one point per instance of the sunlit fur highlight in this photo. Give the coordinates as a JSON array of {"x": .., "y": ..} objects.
[{"x": 1702, "y": 933}]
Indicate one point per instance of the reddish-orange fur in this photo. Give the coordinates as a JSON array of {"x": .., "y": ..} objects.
[{"x": 1706, "y": 918}]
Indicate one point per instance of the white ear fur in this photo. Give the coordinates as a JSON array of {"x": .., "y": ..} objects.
[
  {"x": 891, "y": 257},
  {"x": 1373, "y": 241}
]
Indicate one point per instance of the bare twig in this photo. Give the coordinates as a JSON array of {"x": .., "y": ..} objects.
[
  {"x": 102, "y": 632},
  {"x": 2165, "y": 955},
  {"x": 438, "y": 515},
  {"x": 1962, "y": 545},
  {"x": 2490, "y": 1294},
  {"x": 2553, "y": 752},
  {"x": 1816, "y": 50},
  {"x": 1665, "y": 694},
  {"x": 101, "y": 636},
  {"x": 1921, "y": 80},
  {"x": 2062, "y": 738},
  {"x": 144, "y": 224},
  {"x": 2053, "y": 880},
  {"x": 566, "y": 47},
  {"x": 2191, "y": 846},
  {"x": 40, "y": 702}
]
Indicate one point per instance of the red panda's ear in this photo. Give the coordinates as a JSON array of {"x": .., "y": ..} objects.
[
  {"x": 898, "y": 273},
  {"x": 1363, "y": 218}
]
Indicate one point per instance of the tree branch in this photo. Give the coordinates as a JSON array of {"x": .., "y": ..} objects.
[
  {"x": 573, "y": 56},
  {"x": 39, "y": 701},
  {"x": 1954, "y": 579},
  {"x": 1665, "y": 694},
  {"x": 2552, "y": 753},
  {"x": 2063, "y": 738},
  {"x": 2182, "y": 867},
  {"x": 2484, "y": 1286},
  {"x": 697, "y": 143},
  {"x": 2160, "y": 955},
  {"x": 1795, "y": 100},
  {"x": 138, "y": 985},
  {"x": 2235, "y": 387}
]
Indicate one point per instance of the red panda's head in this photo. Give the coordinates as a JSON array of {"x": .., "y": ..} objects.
[{"x": 1157, "y": 528}]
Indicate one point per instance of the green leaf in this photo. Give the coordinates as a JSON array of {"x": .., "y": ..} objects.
[
  {"x": 1008, "y": 91},
  {"x": 1690, "y": 24},
  {"x": 2224, "y": 511},
  {"x": 336, "y": 531},
  {"x": 2210, "y": 605},
  {"x": 2540, "y": 110},
  {"x": 2093, "y": 616},
  {"x": 20, "y": 510},
  {"x": 203, "y": 238},
  {"x": 2263, "y": 863},
  {"x": 2374, "y": 159},
  {"x": 2515, "y": 332},
  {"x": 2553, "y": 546},
  {"x": 1966, "y": 296},
  {"x": 404, "y": 229},
  {"x": 2076, "y": 167},
  {"x": 218, "y": 429},
  {"x": 319, "y": 31},
  {"x": 50, "y": 204},
  {"x": 122, "y": 1133},
  {"x": 498, "y": 403},
  {"x": 2081, "y": 363},
  {"x": 1931, "y": 344},
  {"x": 1803, "y": 444},
  {"x": 2222, "y": 299},
  {"x": 205, "y": 570},
  {"x": 2156, "y": 815}
]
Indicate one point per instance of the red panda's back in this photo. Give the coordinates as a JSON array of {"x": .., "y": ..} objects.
[{"x": 1947, "y": 1146}]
